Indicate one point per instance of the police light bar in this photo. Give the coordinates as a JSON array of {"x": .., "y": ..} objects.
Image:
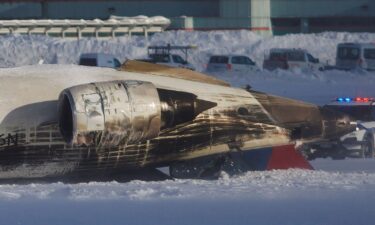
[{"x": 356, "y": 99}]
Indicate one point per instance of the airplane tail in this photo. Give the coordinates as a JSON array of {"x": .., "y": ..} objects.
[
  {"x": 279, "y": 157},
  {"x": 287, "y": 156}
]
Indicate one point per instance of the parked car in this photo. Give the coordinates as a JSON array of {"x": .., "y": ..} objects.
[
  {"x": 286, "y": 59},
  {"x": 172, "y": 60},
  {"x": 359, "y": 143},
  {"x": 235, "y": 63},
  {"x": 166, "y": 55},
  {"x": 351, "y": 56},
  {"x": 99, "y": 59}
]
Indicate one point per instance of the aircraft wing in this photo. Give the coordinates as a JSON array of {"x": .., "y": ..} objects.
[{"x": 163, "y": 70}]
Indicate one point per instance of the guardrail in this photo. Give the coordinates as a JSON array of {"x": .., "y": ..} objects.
[{"x": 112, "y": 27}]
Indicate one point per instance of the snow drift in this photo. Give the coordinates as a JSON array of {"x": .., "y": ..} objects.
[{"x": 27, "y": 50}]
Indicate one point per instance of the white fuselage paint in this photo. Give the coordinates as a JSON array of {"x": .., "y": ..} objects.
[
  {"x": 22, "y": 86},
  {"x": 29, "y": 99}
]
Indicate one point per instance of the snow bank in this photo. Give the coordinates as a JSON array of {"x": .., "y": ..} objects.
[{"x": 26, "y": 50}]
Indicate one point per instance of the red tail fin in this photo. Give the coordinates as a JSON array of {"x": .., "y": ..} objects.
[{"x": 286, "y": 157}]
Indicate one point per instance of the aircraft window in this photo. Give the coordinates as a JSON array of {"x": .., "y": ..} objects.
[{"x": 242, "y": 111}]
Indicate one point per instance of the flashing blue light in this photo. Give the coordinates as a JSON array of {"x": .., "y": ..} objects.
[
  {"x": 340, "y": 99},
  {"x": 347, "y": 99}
]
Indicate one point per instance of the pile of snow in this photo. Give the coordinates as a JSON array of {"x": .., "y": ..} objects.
[{"x": 28, "y": 50}]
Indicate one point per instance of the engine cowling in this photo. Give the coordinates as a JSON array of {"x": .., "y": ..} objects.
[
  {"x": 109, "y": 113},
  {"x": 116, "y": 113}
]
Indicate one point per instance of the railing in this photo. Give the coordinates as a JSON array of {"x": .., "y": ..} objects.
[{"x": 112, "y": 27}]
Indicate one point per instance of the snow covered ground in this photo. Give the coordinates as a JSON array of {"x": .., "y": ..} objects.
[
  {"x": 272, "y": 197},
  {"x": 338, "y": 192}
]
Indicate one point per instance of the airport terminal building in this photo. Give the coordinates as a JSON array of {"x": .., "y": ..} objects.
[{"x": 266, "y": 16}]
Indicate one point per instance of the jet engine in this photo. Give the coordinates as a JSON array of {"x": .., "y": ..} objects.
[{"x": 115, "y": 113}]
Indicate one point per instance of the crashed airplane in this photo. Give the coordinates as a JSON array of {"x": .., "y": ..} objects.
[{"x": 149, "y": 116}]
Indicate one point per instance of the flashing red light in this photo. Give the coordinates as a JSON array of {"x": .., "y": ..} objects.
[{"x": 356, "y": 99}]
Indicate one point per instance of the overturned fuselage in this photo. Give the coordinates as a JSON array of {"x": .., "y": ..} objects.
[{"x": 124, "y": 121}]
